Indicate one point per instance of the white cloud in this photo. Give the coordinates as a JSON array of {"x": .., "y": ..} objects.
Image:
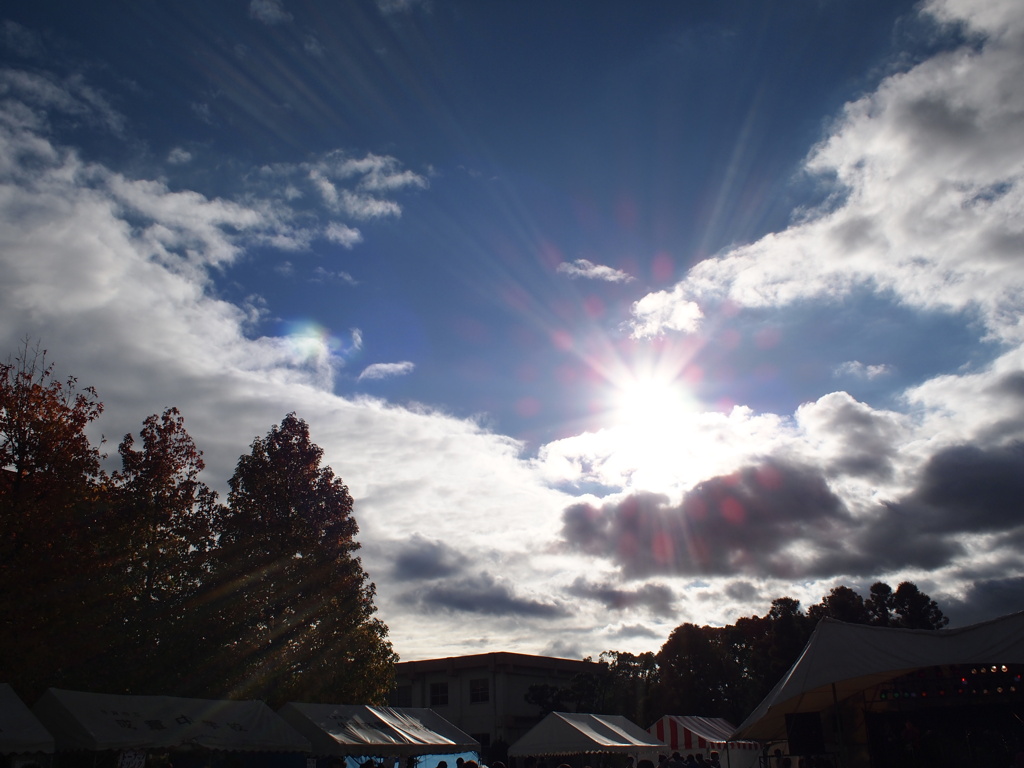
[
  {"x": 386, "y": 370},
  {"x": 362, "y": 206},
  {"x": 321, "y": 275},
  {"x": 399, "y": 6},
  {"x": 313, "y": 46},
  {"x": 179, "y": 156},
  {"x": 270, "y": 12},
  {"x": 35, "y": 94},
  {"x": 664, "y": 311},
  {"x": 932, "y": 164},
  {"x": 343, "y": 234},
  {"x": 355, "y": 185},
  {"x": 587, "y": 269},
  {"x": 857, "y": 369}
]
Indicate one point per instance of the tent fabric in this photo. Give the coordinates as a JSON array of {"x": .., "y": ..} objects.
[
  {"x": 690, "y": 732},
  {"x": 364, "y": 730},
  {"x": 568, "y": 733},
  {"x": 101, "y": 721},
  {"x": 20, "y": 730},
  {"x": 841, "y": 660}
]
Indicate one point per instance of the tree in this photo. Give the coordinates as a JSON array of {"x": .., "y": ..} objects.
[
  {"x": 50, "y": 466},
  {"x": 915, "y": 609},
  {"x": 841, "y": 603},
  {"x": 298, "y": 605},
  {"x": 160, "y": 532},
  {"x": 631, "y": 678},
  {"x": 50, "y": 485},
  {"x": 695, "y": 672},
  {"x": 879, "y": 605}
]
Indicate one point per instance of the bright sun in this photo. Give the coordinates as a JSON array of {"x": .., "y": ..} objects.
[{"x": 650, "y": 403}]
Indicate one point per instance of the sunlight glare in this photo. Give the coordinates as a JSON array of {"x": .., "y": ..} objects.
[{"x": 649, "y": 404}]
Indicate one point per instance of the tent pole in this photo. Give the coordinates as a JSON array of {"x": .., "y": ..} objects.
[{"x": 839, "y": 727}]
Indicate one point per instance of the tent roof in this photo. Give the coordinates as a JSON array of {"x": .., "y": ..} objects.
[
  {"x": 99, "y": 721},
  {"x": 569, "y": 733},
  {"x": 688, "y": 731},
  {"x": 855, "y": 657},
  {"x": 363, "y": 730},
  {"x": 20, "y": 730}
]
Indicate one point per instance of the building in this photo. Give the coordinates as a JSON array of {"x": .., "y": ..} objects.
[{"x": 485, "y": 694}]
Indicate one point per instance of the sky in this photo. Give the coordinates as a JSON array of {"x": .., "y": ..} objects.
[{"x": 612, "y": 316}]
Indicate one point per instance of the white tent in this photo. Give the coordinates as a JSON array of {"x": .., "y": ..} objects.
[
  {"x": 689, "y": 734},
  {"x": 376, "y": 731},
  {"x": 100, "y": 721},
  {"x": 568, "y": 733},
  {"x": 841, "y": 660},
  {"x": 20, "y": 730}
]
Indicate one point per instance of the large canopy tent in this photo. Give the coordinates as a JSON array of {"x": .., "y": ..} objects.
[
  {"x": 692, "y": 734},
  {"x": 20, "y": 731},
  {"x": 570, "y": 733},
  {"x": 365, "y": 732},
  {"x": 848, "y": 668},
  {"x": 100, "y": 721}
]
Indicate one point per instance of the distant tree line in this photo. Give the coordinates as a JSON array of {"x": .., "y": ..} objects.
[
  {"x": 141, "y": 581},
  {"x": 727, "y": 671}
]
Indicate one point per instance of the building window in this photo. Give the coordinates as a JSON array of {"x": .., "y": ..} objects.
[
  {"x": 402, "y": 696},
  {"x": 439, "y": 694},
  {"x": 479, "y": 691}
]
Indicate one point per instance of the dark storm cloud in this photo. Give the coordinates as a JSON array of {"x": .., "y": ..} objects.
[
  {"x": 742, "y": 591},
  {"x": 967, "y": 489},
  {"x": 1012, "y": 384},
  {"x": 420, "y": 558},
  {"x": 481, "y": 594},
  {"x": 739, "y": 523},
  {"x": 985, "y": 599},
  {"x": 656, "y": 598},
  {"x": 895, "y": 538},
  {"x": 963, "y": 490},
  {"x": 1010, "y": 390}
]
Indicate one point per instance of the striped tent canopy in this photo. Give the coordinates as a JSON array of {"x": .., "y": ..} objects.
[{"x": 689, "y": 733}]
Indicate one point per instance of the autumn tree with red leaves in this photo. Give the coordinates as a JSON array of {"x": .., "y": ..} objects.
[{"x": 50, "y": 503}]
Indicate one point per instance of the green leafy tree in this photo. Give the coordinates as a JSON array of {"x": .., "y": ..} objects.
[
  {"x": 159, "y": 533},
  {"x": 298, "y": 606},
  {"x": 50, "y": 486}
]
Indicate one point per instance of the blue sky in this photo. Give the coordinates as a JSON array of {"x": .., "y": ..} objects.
[{"x": 612, "y": 315}]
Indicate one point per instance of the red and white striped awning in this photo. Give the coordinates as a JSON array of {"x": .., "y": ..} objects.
[{"x": 685, "y": 733}]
